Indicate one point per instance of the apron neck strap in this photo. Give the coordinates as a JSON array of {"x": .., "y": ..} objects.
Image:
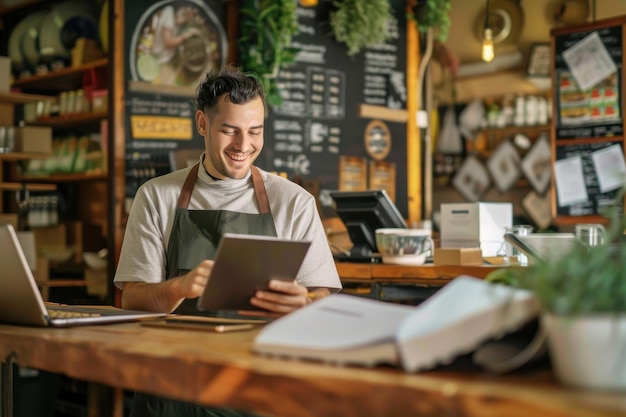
[
  {"x": 257, "y": 182},
  {"x": 185, "y": 193},
  {"x": 259, "y": 191}
]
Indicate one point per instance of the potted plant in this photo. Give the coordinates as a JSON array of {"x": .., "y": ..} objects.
[
  {"x": 432, "y": 14},
  {"x": 360, "y": 24},
  {"x": 266, "y": 31},
  {"x": 582, "y": 296}
]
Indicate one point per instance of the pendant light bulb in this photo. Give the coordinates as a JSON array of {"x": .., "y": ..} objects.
[{"x": 488, "y": 52}]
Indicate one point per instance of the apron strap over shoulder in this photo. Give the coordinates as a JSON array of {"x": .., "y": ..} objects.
[
  {"x": 257, "y": 181},
  {"x": 185, "y": 193},
  {"x": 259, "y": 190}
]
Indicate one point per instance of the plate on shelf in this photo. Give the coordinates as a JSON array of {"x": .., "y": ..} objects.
[
  {"x": 103, "y": 26},
  {"x": 63, "y": 25},
  {"x": 30, "y": 40},
  {"x": 15, "y": 45}
]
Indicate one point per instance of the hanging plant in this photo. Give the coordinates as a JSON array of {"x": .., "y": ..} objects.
[
  {"x": 432, "y": 14},
  {"x": 359, "y": 23},
  {"x": 267, "y": 28}
]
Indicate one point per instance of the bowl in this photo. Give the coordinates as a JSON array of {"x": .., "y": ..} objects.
[
  {"x": 95, "y": 261},
  {"x": 404, "y": 246},
  {"x": 56, "y": 253}
]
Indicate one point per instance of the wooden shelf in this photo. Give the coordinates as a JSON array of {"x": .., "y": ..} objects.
[
  {"x": 20, "y": 98},
  {"x": 445, "y": 181},
  {"x": 61, "y": 80},
  {"x": 22, "y": 5},
  {"x": 16, "y": 186},
  {"x": 71, "y": 121},
  {"x": 57, "y": 178},
  {"x": 62, "y": 283},
  {"x": 22, "y": 156},
  {"x": 511, "y": 130}
]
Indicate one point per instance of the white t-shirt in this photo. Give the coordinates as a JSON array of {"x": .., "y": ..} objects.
[{"x": 143, "y": 254}]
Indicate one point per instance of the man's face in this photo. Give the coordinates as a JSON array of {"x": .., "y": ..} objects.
[{"x": 233, "y": 137}]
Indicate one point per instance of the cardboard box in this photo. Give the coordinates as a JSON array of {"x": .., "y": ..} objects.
[
  {"x": 468, "y": 225},
  {"x": 53, "y": 236},
  {"x": 27, "y": 241},
  {"x": 458, "y": 256},
  {"x": 5, "y": 73},
  {"x": 97, "y": 282},
  {"x": 9, "y": 218},
  {"x": 36, "y": 139}
]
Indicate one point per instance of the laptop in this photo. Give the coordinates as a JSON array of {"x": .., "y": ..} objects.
[
  {"x": 544, "y": 246},
  {"x": 21, "y": 302},
  {"x": 246, "y": 263}
]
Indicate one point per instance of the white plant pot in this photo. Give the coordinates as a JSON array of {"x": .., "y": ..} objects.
[{"x": 589, "y": 351}]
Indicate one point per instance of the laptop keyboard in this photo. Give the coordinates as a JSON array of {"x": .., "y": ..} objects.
[{"x": 65, "y": 314}]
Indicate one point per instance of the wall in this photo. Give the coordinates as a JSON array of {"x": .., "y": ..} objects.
[{"x": 538, "y": 21}]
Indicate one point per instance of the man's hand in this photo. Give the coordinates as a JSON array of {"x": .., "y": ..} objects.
[
  {"x": 285, "y": 296},
  {"x": 191, "y": 285},
  {"x": 166, "y": 296}
]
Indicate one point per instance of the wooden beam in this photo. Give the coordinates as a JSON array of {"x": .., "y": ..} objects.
[
  {"x": 369, "y": 111},
  {"x": 413, "y": 140}
]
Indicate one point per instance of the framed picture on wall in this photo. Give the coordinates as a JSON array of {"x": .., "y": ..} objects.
[
  {"x": 537, "y": 165},
  {"x": 472, "y": 179},
  {"x": 504, "y": 166},
  {"x": 539, "y": 60}
]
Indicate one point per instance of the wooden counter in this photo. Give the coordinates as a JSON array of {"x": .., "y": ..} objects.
[
  {"x": 395, "y": 282},
  {"x": 219, "y": 369}
]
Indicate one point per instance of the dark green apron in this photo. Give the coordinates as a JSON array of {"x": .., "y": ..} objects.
[
  {"x": 194, "y": 238},
  {"x": 196, "y": 233}
]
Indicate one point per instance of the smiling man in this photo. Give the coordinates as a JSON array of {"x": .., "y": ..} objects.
[{"x": 176, "y": 220}]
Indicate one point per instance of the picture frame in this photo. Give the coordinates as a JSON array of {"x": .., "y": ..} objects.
[
  {"x": 472, "y": 179},
  {"x": 504, "y": 166},
  {"x": 536, "y": 165},
  {"x": 539, "y": 60},
  {"x": 352, "y": 173}
]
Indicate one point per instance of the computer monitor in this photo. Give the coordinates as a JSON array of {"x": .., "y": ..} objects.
[{"x": 362, "y": 212}]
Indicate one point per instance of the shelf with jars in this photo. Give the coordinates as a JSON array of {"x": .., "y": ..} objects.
[
  {"x": 10, "y": 152},
  {"x": 519, "y": 118}
]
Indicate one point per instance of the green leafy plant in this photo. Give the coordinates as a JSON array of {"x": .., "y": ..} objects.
[
  {"x": 587, "y": 280},
  {"x": 266, "y": 31},
  {"x": 360, "y": 24},
  {"x": 432, "y": 14}
]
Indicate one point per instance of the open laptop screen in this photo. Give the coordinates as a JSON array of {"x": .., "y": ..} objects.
[{"x": 21, "y": 302}]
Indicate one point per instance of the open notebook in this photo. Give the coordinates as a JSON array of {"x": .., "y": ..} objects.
[
  {"x": 21, "y": 302},
  {"x": 345, "y": 329}
]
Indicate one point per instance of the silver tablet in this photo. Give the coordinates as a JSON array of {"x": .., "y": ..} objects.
[{"x": 246, "y": 263}]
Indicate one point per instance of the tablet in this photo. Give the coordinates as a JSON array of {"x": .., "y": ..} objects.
[{"x": 245, "y": 264}]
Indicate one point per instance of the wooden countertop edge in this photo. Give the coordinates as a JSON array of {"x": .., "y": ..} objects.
[{"x": 135, "y": 357}]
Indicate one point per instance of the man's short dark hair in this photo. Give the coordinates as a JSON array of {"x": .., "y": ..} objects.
[{"x": 242, "y": 87}]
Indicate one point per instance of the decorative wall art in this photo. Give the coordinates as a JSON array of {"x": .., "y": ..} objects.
[{"x": 472, "y": 179}]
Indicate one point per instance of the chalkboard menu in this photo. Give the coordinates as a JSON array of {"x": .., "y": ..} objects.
[
  {"x": 589, "y": 106},
  {"x": 588, "y": 133},
  {"x": 323, "y": 93},
  {"x": 594, "y": 199},
  {"x": 160, "y": 79}
]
